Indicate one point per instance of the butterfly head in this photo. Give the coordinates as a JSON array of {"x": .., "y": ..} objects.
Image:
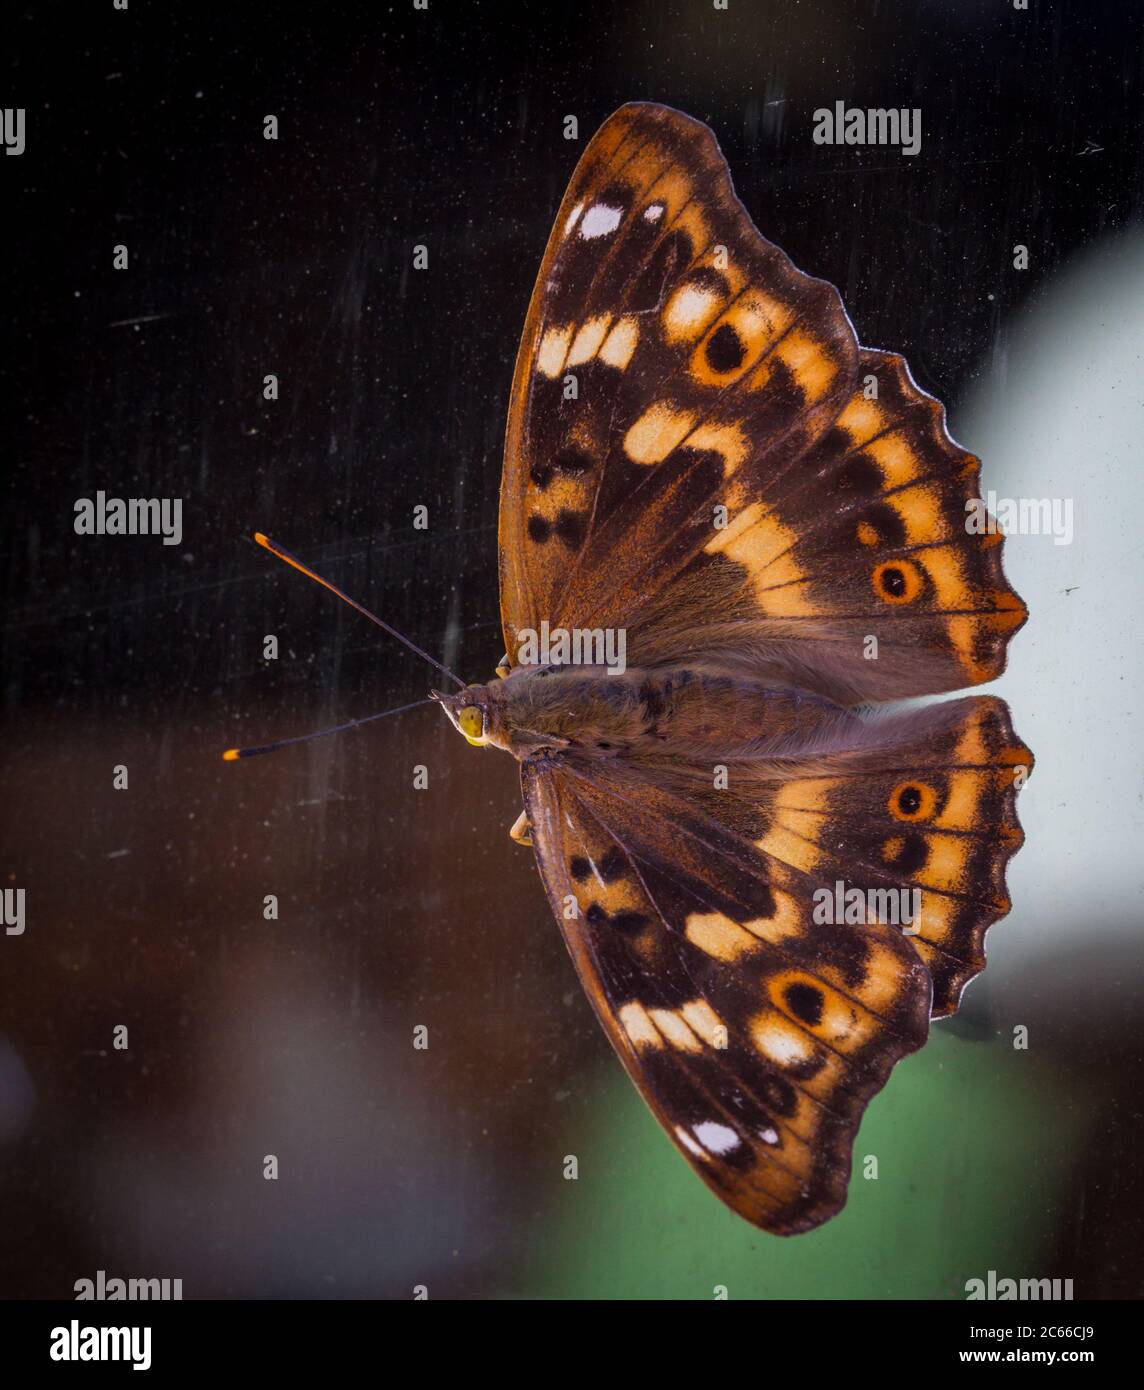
[{"x": 468, "y": 711}]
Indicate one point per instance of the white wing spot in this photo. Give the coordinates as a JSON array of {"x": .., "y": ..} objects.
[
  {"x": 688, "y": 312},
  {"x": 572, "y": 216},
  {"x": 769, "y": 1136},
  {"x": 636, "y": 1023},
  {"x": 620, "y": 343},
  {"x": 553, "y": 349},
  {"x": 720, "y": 1139},
  {"x": 783, "y": 1043},
  {"x": 599, "y": 220},
  {"x": 587, "y": 341},
  {"x": 653, "y": 213}
]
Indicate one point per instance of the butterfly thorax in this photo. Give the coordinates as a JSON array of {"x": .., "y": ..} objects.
[{"x": 660, "y": 712}]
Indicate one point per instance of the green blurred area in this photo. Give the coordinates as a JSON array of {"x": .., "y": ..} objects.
[{"x": 974, "y": 1143}]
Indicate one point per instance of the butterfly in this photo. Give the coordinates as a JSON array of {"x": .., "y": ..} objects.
[
  {"x": 731, "y": 540},
  {"x": 700, "y": 455}
]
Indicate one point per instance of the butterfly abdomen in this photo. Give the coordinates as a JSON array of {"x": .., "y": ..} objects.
[{"x": 720, "y": 717}]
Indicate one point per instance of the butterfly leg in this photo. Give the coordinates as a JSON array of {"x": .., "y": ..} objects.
[{"x": 520, "y": 830}]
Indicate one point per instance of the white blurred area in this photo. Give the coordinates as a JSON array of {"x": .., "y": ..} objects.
[{"x": 1058, "y": 411}]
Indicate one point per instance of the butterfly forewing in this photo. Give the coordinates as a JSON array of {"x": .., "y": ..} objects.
[{"x": 670, "y": 357}]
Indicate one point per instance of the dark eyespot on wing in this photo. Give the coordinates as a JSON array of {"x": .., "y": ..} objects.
[
  {"x": 805, "y": 1002},
  {"x": 724, "y": 349},
  {"x": 783, "y": 398}
]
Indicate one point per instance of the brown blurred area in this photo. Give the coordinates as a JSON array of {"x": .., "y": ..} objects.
[{"x": 294, "y": 1037}]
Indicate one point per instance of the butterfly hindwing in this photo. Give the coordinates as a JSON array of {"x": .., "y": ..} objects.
[
  {"x": 757, "y": 1025},
  {"x": 915, "y": 810},
  {"x": 927, "y": 807},
  {"x": 759, "y": 1069}
]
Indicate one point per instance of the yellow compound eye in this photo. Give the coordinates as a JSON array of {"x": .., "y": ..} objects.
[{"x": 472, "y": 722}]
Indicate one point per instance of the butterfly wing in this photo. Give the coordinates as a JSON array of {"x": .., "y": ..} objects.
[
  {"x": 699, "y": 452},
  {"x": 870, "y": 570},
  {"x": 668, "y": 348},
  {"x": 759, "y": 1070},
  {"x": 756, "y": 1025},
  {"x": 922, "y": 802}
]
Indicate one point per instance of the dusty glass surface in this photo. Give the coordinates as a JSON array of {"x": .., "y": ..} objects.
[{"x": 400, "y": 908}]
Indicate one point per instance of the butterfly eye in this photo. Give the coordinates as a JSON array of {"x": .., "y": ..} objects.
[{"x": 471, "y": 722}]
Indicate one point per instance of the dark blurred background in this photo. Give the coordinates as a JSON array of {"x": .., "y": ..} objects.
[{"x": 403, "y": 907}]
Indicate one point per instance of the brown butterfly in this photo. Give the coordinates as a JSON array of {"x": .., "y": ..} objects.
[{"x": 747, "y": 530}]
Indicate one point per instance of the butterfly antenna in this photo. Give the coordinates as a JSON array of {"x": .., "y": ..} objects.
[
  {"x": 295, "y": 563},
  {"x": 232, "y": 755}
]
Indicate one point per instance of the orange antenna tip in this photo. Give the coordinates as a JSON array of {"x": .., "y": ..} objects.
[{"x": 233, "y": 754}]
